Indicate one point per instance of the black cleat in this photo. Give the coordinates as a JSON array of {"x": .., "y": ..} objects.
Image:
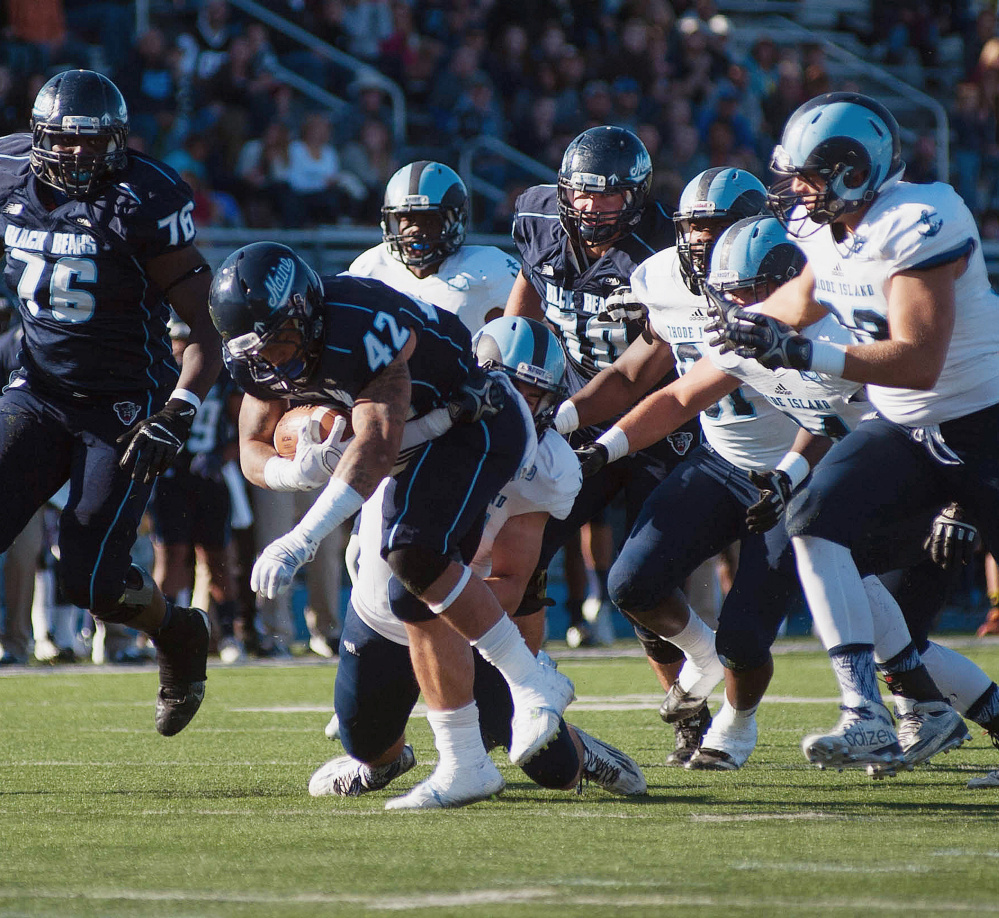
[
  {"x": 688, "y": 735},
  {"x": 182, "y": 654}
]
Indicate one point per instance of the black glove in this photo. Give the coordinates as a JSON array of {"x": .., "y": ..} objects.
[
  {"x": 592, "y": 458},
  {"x": 772, "y": 343},
  {"x": 720, "y": 307},
  {"x": 153, "y": 444},
  {"x": 623, "y": 306},
  {"x": 952, "y": 539},
  {"x": 480, "y": 397},
  {"x": 775, "y": 492}
]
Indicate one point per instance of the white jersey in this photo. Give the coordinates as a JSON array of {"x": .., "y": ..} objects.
[
  {"x": 550, "y": 484},
  {"x": 824, "y": 405},
  {"x": 678, "y": 316},
  {"x": 912, "y": 227},
  {"x": 471, "y": 283}
]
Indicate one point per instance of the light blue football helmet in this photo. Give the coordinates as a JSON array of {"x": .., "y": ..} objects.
[
  {"x": 847, "y": 139},
  {"x": 525, "y": 350},
  {"x": 751, "y": 255},
  {"x": 425, "y": 187},
  {"x": 722, "y": 194}
]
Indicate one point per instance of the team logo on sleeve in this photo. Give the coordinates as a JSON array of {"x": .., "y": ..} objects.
[
  {"x": 929, "y": 223},
  {"x": 127, "y": 412},
  {"x": 681, "y": 441}
]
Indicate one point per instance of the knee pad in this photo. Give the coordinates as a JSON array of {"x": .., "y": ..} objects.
[
  {"x": 417, "y": 567},
  {"x": 137, "y": 595},
  {"x": 657, "y": 648},
  {"x": 557, "y": 765}
]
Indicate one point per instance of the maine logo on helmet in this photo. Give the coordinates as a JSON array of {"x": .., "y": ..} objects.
[
  {"x": 266, "y": 303},
  {"x": 78, "y": 104},
  {"x": 425, "y": 187},
  {"x": 715, "y": 198},
  {"x": 849, "y": 141},
  {"x": 526, "y": 350},
  {"x": 753, "y": 257},
  {"x": 604, "y": 160}
]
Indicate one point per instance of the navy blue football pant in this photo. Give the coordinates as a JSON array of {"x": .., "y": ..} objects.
[
  {"x": 376, "y": 689},
  {"x": 696, "y": 512},
  {"x": 45, "y": 440}
]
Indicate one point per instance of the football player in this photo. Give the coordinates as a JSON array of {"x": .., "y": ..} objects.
[
  {"x": 98, "y": 241},
  {"x": 579, "y": 240},
  {"x": 363, "y": 347},
  {"x": 753, "y": 257},
  {"x": 900, "y": 266},
  {"x": 375, "y": 685},
  {"x": 423, "y": 251},
  {"x": 669, "y": 285}
]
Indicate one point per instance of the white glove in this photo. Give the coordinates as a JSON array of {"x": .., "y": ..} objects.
[
  {"x": 623, "y": 306},
  {"x": 278, "y": 563},
  {"x": 315, "y": 460}
]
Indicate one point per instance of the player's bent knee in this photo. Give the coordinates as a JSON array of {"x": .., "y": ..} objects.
[
  {"x": 556, "y": 766},
  {"x": 742, "y": 651},
  {"x": 417, "y": 568},
  {"x": 636, "y": 595}
]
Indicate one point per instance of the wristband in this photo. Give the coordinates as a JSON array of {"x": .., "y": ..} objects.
[
  {"x": 186, "y": 395},
  {"x": 828, "y": 358},
  {"x": 566, "y": 418},
  {"x": 615, "y": 441},
  {"x": 282, "y": 475},
  {"x": 337, "y": 504},
  {"x": 796, "y": 467}
]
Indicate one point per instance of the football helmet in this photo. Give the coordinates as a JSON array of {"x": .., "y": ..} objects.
[
  {"x": 266, "y": 303},
  {"x": 525, "y": 350},
  {"x": 722, "y": 194},
  {"x": 849, "y": 141},
  {"x": 604, "y": 160},
  {"x": 78, "y": 103},
  {"x": 752, "y": 254},
  {"x": 425, "y": 187}
]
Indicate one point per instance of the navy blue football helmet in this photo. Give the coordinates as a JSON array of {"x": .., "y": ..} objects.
[
  {"x": 526, "y": 350},
  {"x": 266, "y": 301},
  {"x": 77, "y": 104},
  {"x": 848, "y": 140}
]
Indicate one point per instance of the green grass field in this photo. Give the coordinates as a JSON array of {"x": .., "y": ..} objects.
[{"x": 100, "y": 816}]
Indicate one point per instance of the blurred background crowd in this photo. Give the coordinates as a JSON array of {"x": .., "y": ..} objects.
[{"x": 293, "y": 114}]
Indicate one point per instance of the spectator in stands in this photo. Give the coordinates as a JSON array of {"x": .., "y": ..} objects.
[
  {"x": 12, "y": 103},
  {"x": 627, "y": 99},
  {"x": 509, "y": 65},
  {"x": 598, "y": 104},
  {"x": 149, "y": 84},
  {"x": 205, "y": 46},
  {"x": 313, "y": 196},
  {"x": 725, "y": 108},
  {"x": 36, "y": 37},
  {"x": 110, "y": 24},
  {"x": 921, "y": 164},
  {"x": 536, "y": 133},
  {"x": 366, "y": 23},
  {"x": 570, "y": 72},
  {"x": 373, "y": 160},
  {"x": 262, "y": 169},
  {"x": 785, "y": 98}
]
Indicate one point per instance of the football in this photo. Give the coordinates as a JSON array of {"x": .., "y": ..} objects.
[{"x": 293, "y": 422}]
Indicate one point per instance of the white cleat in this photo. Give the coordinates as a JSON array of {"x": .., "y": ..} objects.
[
  {"x": 345, "y": 776},
  {"x": 864, "y": 738},
  {"x": 725, "y": 748},
  {"x": 231, "y": 651},
  {"x": 452, "y": 788},
  {"x": 928, "y": 728},
  {"x": 537, "y": 712},
  {"x": 332, "y": 729},
  {"x": 610, "y": 768},
  {"x": 989, "y": 780}
]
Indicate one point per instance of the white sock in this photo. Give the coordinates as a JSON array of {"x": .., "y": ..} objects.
[
  {"x": 891, "y": 634},
  {"x": 697, "y": 641},
  {"x": 504, "y": 647},
  {"x": 457, "y": 736},
  {"x": 959, "y": 680},
  {"x": 728, "y": 716},
  {"x": 836, "y": 596}
]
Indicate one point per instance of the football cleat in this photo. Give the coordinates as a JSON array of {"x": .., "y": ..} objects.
[
  {"x": 182, "y": 655},
  {"x": 725, "y": 748},
  {"x": 332, "y": 729},
  {"x": 989, "y": 780},
  {"x": 537, "y": 712},
  {"x": 322, "y": 647},
  {"x": 864, "y": 738},
  {"x": 609, "y": 767},
  {"x": 599, "y": 614},
  {"x": 930, "y": 727},
  {"x": 345, "y": 776},
  {"x": 452, "y": 788},
  {"x": 688, "y": 735},
  {"x": 580, "y": 635},
  {"x": 231, "y": 650}
]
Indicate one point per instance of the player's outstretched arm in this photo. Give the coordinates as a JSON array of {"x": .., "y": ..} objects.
[{"x": 524, "y": 300}]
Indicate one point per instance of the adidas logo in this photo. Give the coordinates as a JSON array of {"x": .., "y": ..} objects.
[
  {"x": 782, "y": 390},
  {"x": 837, "y": 270},
  {"x": 699, "y": 314}
]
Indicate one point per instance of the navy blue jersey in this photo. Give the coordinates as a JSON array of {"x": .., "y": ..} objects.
[
  {"x": 213, "y": 429},
  {"x": 572, "y": 294},
  {"x": 365, "y": 326},
  {"x": 93, "y": 322}
]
